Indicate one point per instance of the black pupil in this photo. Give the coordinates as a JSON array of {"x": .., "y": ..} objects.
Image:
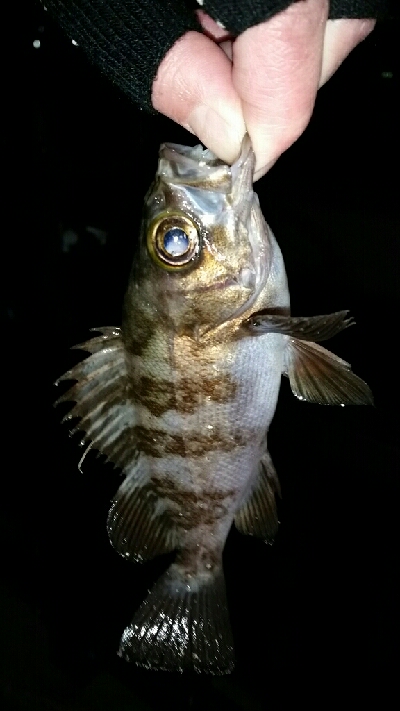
[{"x": 176, "y": 242}]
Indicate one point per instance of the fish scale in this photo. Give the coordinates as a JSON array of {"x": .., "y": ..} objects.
[{"x": 182, "y": 396}]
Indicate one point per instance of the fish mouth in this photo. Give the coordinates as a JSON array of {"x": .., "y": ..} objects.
[{"x": 191, "y": 166}]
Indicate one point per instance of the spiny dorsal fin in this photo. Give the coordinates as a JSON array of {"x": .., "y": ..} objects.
[
  {"x": 106, "y": 414},
  {"x": 137, "y": 527}
]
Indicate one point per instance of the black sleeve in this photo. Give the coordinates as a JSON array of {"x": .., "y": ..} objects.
[
  {"x": 238, "y": 16},
  {"x": 127, "y": 39}
]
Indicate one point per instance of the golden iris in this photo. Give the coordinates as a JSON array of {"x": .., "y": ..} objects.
[{"x": 173, "y": 239}]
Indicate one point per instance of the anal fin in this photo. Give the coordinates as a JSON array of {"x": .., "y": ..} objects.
[{"x": 258, "y": 515}]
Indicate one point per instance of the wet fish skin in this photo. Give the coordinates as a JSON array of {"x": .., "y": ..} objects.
[{"x": 182, "y": 396}]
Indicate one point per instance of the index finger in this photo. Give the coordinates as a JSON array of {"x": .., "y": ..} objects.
[{"x": 276, "y": 73}]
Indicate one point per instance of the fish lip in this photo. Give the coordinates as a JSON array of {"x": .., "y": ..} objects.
[
  {"x": 216, "y": 286},
  {"x": 225, "y": 283}
]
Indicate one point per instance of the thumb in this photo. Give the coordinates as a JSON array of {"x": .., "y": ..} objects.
[{"x": 194, "y": 87}]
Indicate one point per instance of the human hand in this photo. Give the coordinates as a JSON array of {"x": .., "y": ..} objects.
[{"x": 265, "y": 81}]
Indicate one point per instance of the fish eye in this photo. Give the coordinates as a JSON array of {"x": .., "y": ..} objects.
[{"x": 173, "y": 240}]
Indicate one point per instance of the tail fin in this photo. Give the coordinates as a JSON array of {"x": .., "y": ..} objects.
[{"x": 182, "y": 626}]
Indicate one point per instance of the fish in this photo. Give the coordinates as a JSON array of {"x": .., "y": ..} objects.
[{"x": 181, "y": 396}]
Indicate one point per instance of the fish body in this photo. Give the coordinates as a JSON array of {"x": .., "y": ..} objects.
[{"x": 182, "y": 396}]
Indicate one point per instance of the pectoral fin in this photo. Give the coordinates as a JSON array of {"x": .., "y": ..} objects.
[
  {"x": 308, "y": 328},
  {"x": 319, "y": 376},
  {"x": 315, "y": 374}
]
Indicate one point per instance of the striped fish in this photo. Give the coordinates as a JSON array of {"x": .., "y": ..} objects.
[{"x": 181, "y": 397}]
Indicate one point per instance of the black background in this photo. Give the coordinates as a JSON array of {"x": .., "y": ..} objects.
[{"x": 316, "y": 613}]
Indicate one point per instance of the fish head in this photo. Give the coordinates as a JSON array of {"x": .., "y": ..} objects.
[{"x": 204, "y": 245}]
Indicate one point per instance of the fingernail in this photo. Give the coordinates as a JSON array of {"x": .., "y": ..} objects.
[
  {"x": 259, "y": 172},
  {"x": 216, "y": 132}
]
